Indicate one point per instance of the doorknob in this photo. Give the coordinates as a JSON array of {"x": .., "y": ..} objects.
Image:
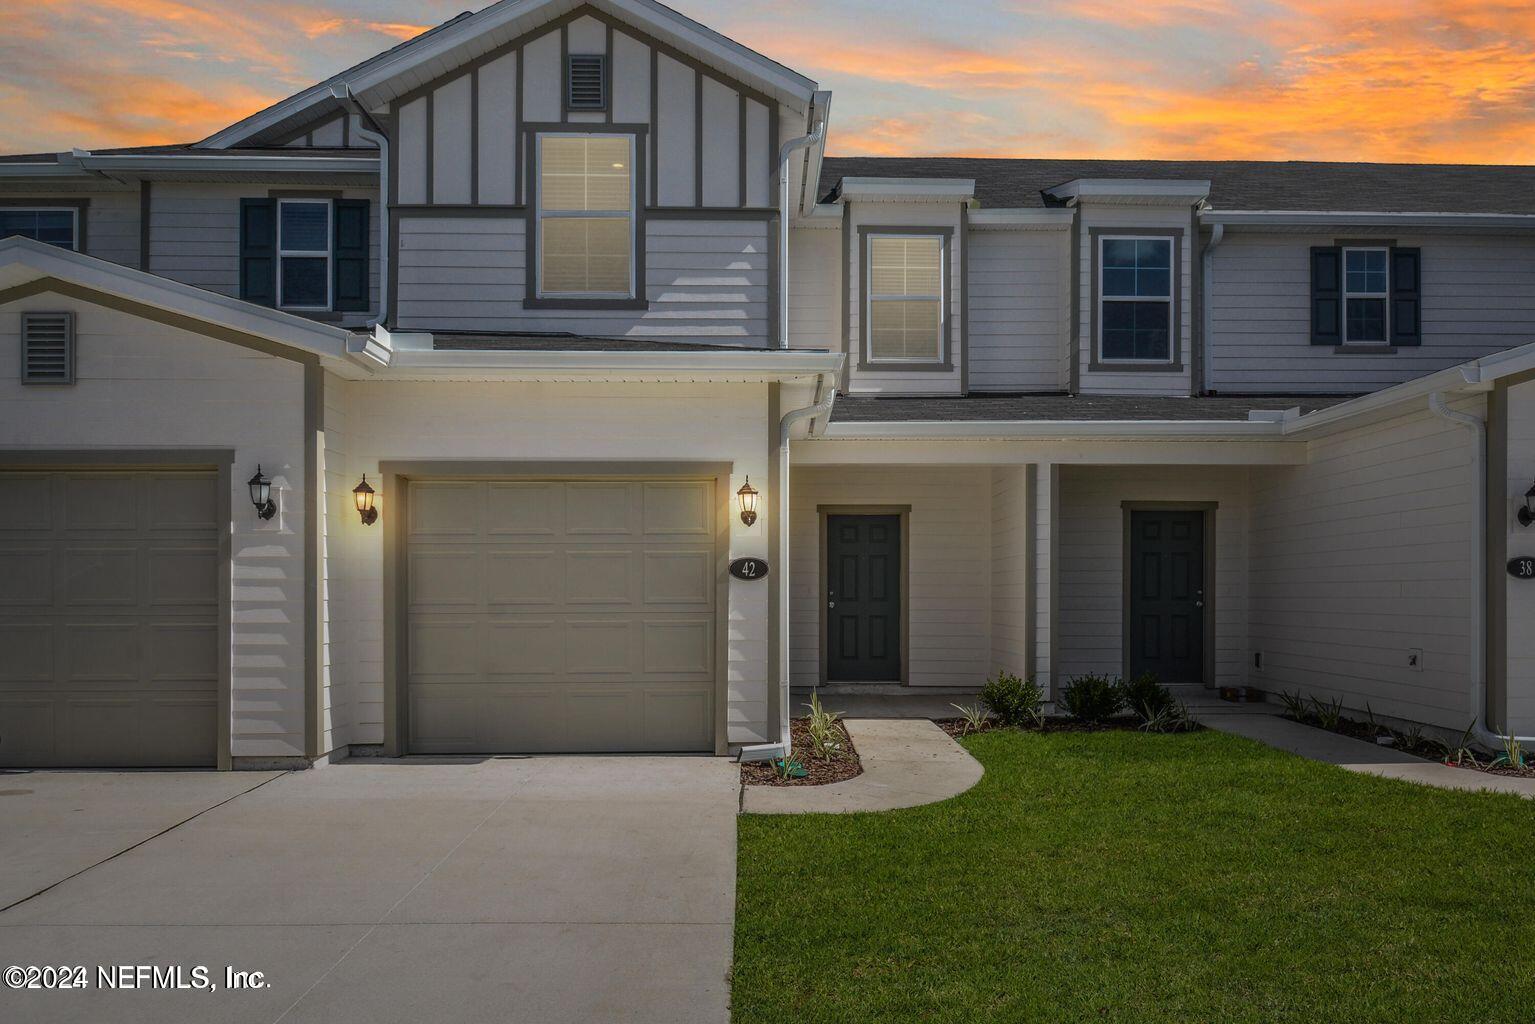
[{"x": 831, "y": 604}]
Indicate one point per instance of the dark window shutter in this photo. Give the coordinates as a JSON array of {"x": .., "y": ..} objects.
[
  {"x": 351, "y": 255},
  {"x": 586, "y": 78},
  {"x": 1406, "y": 297},
  {"x": 1326, "y": 295},
  {"x": 258, "y": 251}
]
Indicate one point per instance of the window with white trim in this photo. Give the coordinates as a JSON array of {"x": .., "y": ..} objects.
[
  {"x": 905, "y": 298},
  {"x": 1366, "y": 290},
  {"x": 1135, "y": 292},
  {"x": 303, "y": 253},
  {"x": 58, "y": 226},
  {"x": 586, "y": 216}
]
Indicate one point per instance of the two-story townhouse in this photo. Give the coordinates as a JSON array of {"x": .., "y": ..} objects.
[{"x": 540, "y": 385}]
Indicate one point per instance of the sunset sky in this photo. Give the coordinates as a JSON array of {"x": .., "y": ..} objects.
[{"x": 1422, "y": 80}]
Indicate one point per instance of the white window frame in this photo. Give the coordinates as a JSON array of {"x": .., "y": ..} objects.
[
  {"x": 1385, "y": 297},
  {"x": 329, "y": 253},
  {"x": 1172, "y": 327},
  {"x": 539, "y": 213},
  {"x": 74, "y": 220},
  {"x": 870, "y": 298}
]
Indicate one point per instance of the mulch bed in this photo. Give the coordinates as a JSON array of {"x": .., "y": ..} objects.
[
  {"x": 1418, "y": 746},
  {"x": 842, "y": 765},
  {"x": 957, "y": 727}
]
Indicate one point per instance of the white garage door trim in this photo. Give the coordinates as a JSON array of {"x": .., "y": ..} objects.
[
  {"x": 397, "y": 476},
  {"x": 219, "y": 461}
]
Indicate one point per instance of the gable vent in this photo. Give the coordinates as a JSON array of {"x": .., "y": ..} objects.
[
  {"x": 587, "y": 82},
  {"x": 47, "y": 348}
]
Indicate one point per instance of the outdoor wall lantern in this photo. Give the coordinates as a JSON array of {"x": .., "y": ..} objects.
[
  {"x": 747, "y": 495},
  {"x": 363, "y": 495},
  {"x": 261, "y": 495},
  {"x": 1527, "y": 513}
]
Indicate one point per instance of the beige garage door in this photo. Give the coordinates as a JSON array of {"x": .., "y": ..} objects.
[
  {"x": 108, "y": 618},
  {"x": 561, "y": 615}
]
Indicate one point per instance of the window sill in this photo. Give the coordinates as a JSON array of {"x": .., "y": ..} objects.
[
  {"x": 1365, "y": 349},
  {"x": 1111, "y": 367},
  {"x": 865, "y": 366},
  {"x": 634, "y": 304}
]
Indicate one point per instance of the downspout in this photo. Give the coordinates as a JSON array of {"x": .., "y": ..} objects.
[
  {"x": 1478, "y": 427},
  {"x": 784, "y": 152},
  {"x": 375, "y": 135},
  {"x": 818, "y": 410},
  {"x": 1206, "y": 318}
]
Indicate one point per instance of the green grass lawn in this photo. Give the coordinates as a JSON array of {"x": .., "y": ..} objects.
[{"x": 1126, "y": 877}]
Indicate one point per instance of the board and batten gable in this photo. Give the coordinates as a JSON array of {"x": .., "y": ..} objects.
[
  {"x": 1476, "y": 299},
  {"x": 465, "y": 191}
]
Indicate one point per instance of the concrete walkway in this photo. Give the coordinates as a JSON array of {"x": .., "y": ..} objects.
[
  {"x": 906, "y": 762},
  {"x": 540, "y": 890},
  {"x": 1359, "y": 756}
]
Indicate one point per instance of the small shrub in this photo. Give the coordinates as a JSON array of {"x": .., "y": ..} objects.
[
  {"x": 1092, "y": 699},
  {"x": 1461, "y": 752},
  {"x": 975, "y": 717},
  {"x": 786, "y": 769},
  {"x": 825, "y": 737},
  {"x": 1327, "y": 715},
  {"x": 1173, "y": 717},
  {"x": 1013, "y": 701},
  {"x": 1295, "y": 705},
  {"x": 1513, "y": 752},
  {"x": 1146, "y": 696}
]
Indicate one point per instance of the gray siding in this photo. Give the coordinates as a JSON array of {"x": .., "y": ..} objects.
[
  {"x": 111, "y": 219},
  {"x": 705, "y": 280},
  {"x": 1478, "y": 297},
  {"x": 1015, "y": 308}
]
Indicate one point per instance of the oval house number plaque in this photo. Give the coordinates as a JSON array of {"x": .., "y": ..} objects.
[
  {"x": 749, "y": 569},
  {"x": 1522, "y": 568}
]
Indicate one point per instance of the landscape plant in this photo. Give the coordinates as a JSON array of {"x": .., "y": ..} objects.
[
  {"x": 825, "y": 737},
  {"x": 1092, "y": 699},
  {"x": 1013, "y": 701}
]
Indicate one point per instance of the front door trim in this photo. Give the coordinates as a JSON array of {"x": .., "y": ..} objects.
[
  {"x": 1208, "y": 624},
  {"x": 823, "y": 512},
  {"x": 396, "y": 476}
]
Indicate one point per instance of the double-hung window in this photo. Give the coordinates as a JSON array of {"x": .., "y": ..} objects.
[
  {"x": 303, "y": 253},
  {"x": 1366, "y": 291},
  {"x": 586, "y": 216},
  {"x": 905, "y": 307},
  {"x": 54, "y": 225},
  {"x": 1135, "y": 291}
]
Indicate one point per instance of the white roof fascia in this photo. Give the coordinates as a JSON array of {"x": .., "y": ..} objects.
[
  {"x": 646, "y": 15},
  {"x": 1132, "y": 190},
  {"x": 42, "y": 170},
  {"x": 754, "y": 365},
  {"x": 1345, "y": 218},
  {"x": 810, "y": 184},
  {"x": 1063, "y": 430},
  {"x": 897, "y": 190},
  {"x": 1026, "y": 219},
  {"x": 23, "y": 260},
  {"x": 235, "y": 164}
]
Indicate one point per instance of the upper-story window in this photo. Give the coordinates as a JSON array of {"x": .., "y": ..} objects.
[
  {"x": 55, "y": 225},
  {"x": 1135, "y": 289},
  {"x": 905, "y": 307},
  {"x": 303, "y": 253},
  {"x": 586, "y": 216},
  {"x": 1366, "y": 289}
]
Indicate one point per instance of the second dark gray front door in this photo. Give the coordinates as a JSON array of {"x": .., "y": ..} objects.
[
  {"x": 863, "y": 598},
  {"x": 1167, "y": 596}
]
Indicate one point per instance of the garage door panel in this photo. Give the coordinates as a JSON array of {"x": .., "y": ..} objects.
[
  {"x": 26, "y": 577},
  {"x": 678, "y": 508},
  {"x": 26, "y": 503},
  {"x": 578, "y": 617},
  {"x": 679, "y": 577},
  {"x": 109, "y": 608},
  {"x": 96, "y": 577},
  {"x": 445, "y": 510},
  {"x": 525, "y": 509},
  {"x": 601, "y": 576},
  {"x": 447, "y": 578}
]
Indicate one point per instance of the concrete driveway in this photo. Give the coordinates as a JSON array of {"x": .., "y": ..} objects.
[{"x": 538, "y": 889}]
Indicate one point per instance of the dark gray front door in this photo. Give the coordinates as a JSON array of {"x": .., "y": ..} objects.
[
  {"x": 863, "y": 598},
  {"x": 1167, "y": 597}
]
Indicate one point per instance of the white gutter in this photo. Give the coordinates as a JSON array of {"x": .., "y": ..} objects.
[
  {"x": 1009, "y": 430},
  {"x": 1206, "y": 317},
  {"x": 1478, "y": 664},
  {"x": 247, "y": 164},
  {"x": 784, "y": 152},
  {"x": 1365, "y": 218},
  {"x": 675, "y": 364},
  {"x": 343, "y": 92},
  {"x": 818, "y": 410}
]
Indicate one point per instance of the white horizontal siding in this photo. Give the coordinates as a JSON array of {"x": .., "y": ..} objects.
[
  {"x": 1360, "y": 556},
  {"x": 705, "y": 280},
  {"x": 815, "y": 287},
  {"x": 1009, "y": 570},
  {"x": 1478, "y": 297},
  {"x": 948, "y": 578},
  {"x": 1519, "y": 594},
  {"x": 1016, "y": 313}
]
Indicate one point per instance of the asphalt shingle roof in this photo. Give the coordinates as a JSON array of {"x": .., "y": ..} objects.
[
  {"x": 1063, "y": 407},
  {"x": 1234, "y": 184}
]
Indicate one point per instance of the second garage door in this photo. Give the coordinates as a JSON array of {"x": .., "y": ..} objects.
[{"x": 560, "y": 615}]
